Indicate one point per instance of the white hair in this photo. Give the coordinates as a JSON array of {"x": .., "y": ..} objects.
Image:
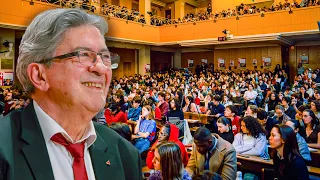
[{"x": 45, "y": 33}]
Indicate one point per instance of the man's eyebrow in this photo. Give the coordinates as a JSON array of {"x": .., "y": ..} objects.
[{"x": 89, "y": 49}]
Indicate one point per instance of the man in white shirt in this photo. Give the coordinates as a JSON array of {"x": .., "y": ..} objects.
[{"x": 65, "y": 66}]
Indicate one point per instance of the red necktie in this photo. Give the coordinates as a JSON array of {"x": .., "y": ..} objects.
[{"x": 77, "y": 152}]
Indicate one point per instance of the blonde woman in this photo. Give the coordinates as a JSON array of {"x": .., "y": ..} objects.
[{"x": 145, "y": 130}]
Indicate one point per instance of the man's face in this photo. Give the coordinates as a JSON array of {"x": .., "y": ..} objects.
[
  {"x": 9, "y": 96},
  {"x": 203, "y": 147},
  {"x": 86, "y": 86}
]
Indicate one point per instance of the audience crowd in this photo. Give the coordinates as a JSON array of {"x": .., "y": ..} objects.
[
  {"x": 134, "y": 15},
  {"x": 249, "y": 110}
]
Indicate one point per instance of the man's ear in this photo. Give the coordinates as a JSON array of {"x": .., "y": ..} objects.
[{"x": 37, "y": 75}]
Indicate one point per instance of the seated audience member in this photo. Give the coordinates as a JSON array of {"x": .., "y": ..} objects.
[
  {"x": 280, "y": 115},
  {"x": 250, "y": 95},
  {"x": 315, "y": 107},
  {"x": 238, "y": 99},
  {"x": 211, "y": 152},
  {"x": 145, "y": 130},
  {"x": 224, "y": 128},
  {"x": 22, "y": 101},
  {"x": 190, "y": 106},
  {"x": 114, "y": 114},
  {"x": 231, "y": 113},
  {"x": 302, "y": 144},
  {"x": 252, "y": 139},
  {"x": 312, "y": 128},
  {"x": 175, "y": 109},
  {"x": 225, "y": 101},
  {"x": 295, "y": 102},
  {"x": 168, "y": 163},
  {"x": 168, "y": 132},
  {"x": 288, "y": 109},
  {"x": 162, "y": 104},
  {"x": 266, "y": 122},
  {"x": 273, "y": 101},
  {"x": 122, "y": 129},
  {"x": 207, "y": 175},
  {"x": 288, "y": 163},
  {"x": 251, "y": 111},
  {"x": 299, "y": 115},
  {"x": 119, "y": 100},
  {"x": 217, "y": 110},
  {"x": 135, "y": 111}
]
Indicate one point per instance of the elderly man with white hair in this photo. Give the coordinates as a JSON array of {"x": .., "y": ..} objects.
[{"x": 65, "y": 66}]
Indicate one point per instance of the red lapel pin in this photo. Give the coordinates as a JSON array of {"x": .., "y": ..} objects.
[{"x": 108, "y": 163}]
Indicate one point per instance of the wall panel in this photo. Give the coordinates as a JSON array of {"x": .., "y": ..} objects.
[
  {"x": 249, "y": 53},
  {"x": 127, "y": 56},
  {"x": 196, "y": 56}
]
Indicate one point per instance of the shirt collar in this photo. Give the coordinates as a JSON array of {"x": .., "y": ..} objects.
[{"x": 50, "y": 127}]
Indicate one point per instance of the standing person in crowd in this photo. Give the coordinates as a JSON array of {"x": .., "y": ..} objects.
[
  {"x": 280, "y": 115},
  {"x": 211, "y": 152},
  {"x": 231, "y": 113},
  {"x": 168, "y": 132},
  {"x": 145, "y": 130},
  {"x": 42, "y": 139},
  {"x": 135, "y": 111},
  {"x": 175, "y": 109},
  {"x": 288, "y": 109},
  {"x": 302, "y": 144},
  {"x": 252, "y": 139},
  {"x": 288, "y": 163},
  {"x": 168, "y": 163},
  {"x": 225, "y": 129},
  {"x": 266, "y": 122},
  {"x": 162, "y": 104},
  {"x": 312, "y": 128}
]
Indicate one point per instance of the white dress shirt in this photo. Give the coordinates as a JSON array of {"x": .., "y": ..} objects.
[{"x": 60, "y": 158}]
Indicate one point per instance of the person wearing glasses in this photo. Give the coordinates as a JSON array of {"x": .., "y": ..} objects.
[
  {"x": 65, "y": 67},
  {"x": 312, "y": 128}
]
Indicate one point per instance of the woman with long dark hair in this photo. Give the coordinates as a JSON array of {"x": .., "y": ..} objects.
[
  {"x": 175, "y": 109},
  {"x": 312, "y": 128},
  {"x": 288, "y": 163},
  {"x": 168, "y": 163}
]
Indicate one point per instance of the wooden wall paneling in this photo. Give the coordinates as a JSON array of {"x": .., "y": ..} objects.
[
  {"x": 160, "y": 60},
  {"x": 196, "y": 57},
  {"x": 249, "y": 54},
  {"x": 127, "y": 59}
]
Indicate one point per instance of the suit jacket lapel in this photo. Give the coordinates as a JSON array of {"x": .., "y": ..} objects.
[
  {"x": 35, "y": 149},
  {"x": 104, "y": 161}
]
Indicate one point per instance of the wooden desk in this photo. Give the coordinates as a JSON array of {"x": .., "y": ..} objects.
[
  {"x": 315, "y": 157},
  {"x": 314, "y": 171},
  {"x": 256, "y": 164},
  {"x": 192, "y": 121}
]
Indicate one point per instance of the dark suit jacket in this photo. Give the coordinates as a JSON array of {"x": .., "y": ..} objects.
[{"x": 24, "y": 155}]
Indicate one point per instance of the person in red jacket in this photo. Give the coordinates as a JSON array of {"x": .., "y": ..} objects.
[
  {"x": 114, "y": 114},
  {"x": 169, "y": 132}
]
